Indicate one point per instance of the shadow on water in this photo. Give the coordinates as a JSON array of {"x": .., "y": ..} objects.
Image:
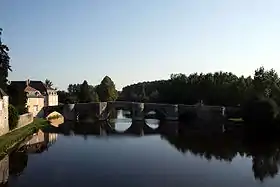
[
  {"x": 13, "y": 165},
  {"x": 265, "y": 155}
]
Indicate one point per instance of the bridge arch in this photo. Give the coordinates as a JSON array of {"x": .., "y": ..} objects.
[
  {"x": 54, "y": 115},
  {"x": 163, "y": 111},
  {"x": 52, "y": 110},
  {"x": 154, "y": 113},
  {"x": 67, "y": 111}
]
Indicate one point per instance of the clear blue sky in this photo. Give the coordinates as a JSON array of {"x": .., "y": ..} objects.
[{"x": 137, "y": 40}]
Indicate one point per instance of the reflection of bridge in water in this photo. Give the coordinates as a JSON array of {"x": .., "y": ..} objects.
[{"x": 102, "y": 128}]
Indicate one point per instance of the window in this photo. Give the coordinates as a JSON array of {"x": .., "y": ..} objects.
[{"x": 35, "y": 108}]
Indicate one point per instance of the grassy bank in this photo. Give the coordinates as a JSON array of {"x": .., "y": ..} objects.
[{"x": 12, "y": 139}]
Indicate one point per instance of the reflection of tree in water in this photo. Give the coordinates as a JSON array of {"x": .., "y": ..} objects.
[
  {"x": 209, "y": 147},
  {"x": 17, "y": 162},
  {"x": 12, "y": 165},
  {"x": 264, "y": 167},
  {"x": 225, "y": 147},
  {"x": 266, "y": 160}
]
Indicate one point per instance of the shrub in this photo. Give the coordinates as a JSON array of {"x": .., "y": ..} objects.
[
  {"x": 56, "y": 116},
  {"x": 13, "y": 117},
  {"x": 260, "y": 112},
  {"x": 21, "y": 109}
]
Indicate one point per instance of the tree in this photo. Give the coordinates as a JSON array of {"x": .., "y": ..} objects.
[
  {"x": 63, "y": 97},
  {"x": 265, "y": 82},
  {"x": 106, "y": 90},
  {"x": 48, "y": 83},
  {"x": 13, "y": 117},
  {"x": 84, "y": 94},
  {"x": 93, "y": 95},
  {"x": 4, "y": 64},
  {"x": 260, "y": 113},
  {"x": 17, "y": 98}
]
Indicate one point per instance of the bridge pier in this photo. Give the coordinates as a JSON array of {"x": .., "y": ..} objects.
[
  {"x": 102, "y": 111},
  {"x": 168, "y": 128},
  {"x": 69, "y": 113},
  {"x": 136, "y": 128},
  {"x": 138, "y": 112},
  {"x": 171, "y": 113}
]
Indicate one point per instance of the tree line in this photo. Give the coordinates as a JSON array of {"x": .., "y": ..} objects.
[
  {"x": 219, "y": 88},
  {"x": 84, "y": 93}
]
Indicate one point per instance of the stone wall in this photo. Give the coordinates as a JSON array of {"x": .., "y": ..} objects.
[
  {"x": 4, "y": 115},
  {"x": 24, "y": 120}
]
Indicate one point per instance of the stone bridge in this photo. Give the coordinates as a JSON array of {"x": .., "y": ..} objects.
[{"x": 103, "y": 110}]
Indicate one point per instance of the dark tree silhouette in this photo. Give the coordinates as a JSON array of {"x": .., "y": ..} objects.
[
  {"x": 48, "y": 83},
  {"x": 106, "y": 90},
  {"x": 4, "y": 64}
]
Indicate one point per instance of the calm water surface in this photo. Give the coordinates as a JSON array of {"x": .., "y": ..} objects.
[{"x": 127, "y": 159}]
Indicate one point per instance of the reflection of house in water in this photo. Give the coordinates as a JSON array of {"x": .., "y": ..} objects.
[
  {"x": 4, "y": 170},
  {"x": 40, "y": 142}
]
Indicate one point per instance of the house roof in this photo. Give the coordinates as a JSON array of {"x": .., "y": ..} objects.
[
  {"x": 37, "y": 85},
  {"x": 2, "y": 93},
  {"x": 30, "y": 89}
]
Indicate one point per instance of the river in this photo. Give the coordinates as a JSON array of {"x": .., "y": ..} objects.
[{"x": 90, "y": 156}]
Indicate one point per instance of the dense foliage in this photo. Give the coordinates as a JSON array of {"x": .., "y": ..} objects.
[
  {"x": 4, "y": 64},
  {"x": 106, "y": 90},
  {"x": 85, "y": 93},
  {"x": 13, "y": 117},
  {"x": 17, "y": 98},
  {"x": 48, "y": 83},
  {"x": 259, "y": 111},
  {"x": 220, "y": 88}
]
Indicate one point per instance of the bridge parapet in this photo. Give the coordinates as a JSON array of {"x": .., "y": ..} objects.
[
  {"x": 93, "y": 110},
  {"x": 101, "y": 110},
  {"x": 168, "y": 111},
  {"x": 120, "y": 105}
]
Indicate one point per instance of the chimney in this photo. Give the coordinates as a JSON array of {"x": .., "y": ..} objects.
[{"x": 27, "y": 82}]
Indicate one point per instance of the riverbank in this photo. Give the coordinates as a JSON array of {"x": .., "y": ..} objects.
[{"x": 13, "y": 138}]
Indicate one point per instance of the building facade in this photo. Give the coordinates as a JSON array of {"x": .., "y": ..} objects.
[{"x": 38, "y": 96}]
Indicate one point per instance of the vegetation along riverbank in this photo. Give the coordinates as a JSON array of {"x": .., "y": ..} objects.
[{"x": 10, "y": 140}]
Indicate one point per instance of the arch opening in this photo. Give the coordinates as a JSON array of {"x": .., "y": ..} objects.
[
  {"x": 55, "y": 118},
  {"x": 154, "y": 114}
]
